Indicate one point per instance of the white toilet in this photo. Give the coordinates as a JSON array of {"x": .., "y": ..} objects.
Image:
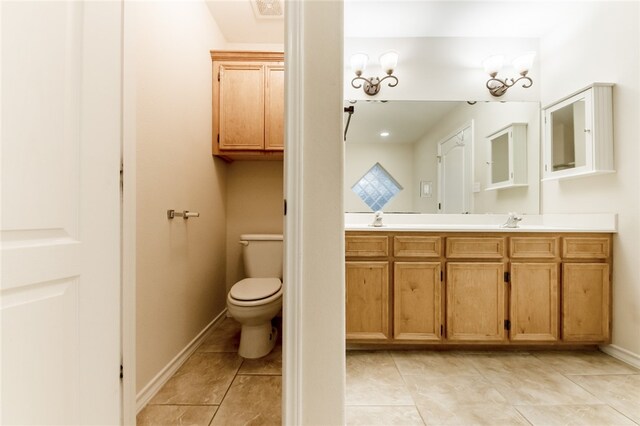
[{"x": 255, "y": 300}]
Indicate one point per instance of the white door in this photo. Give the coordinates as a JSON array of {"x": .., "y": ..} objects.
[
  {"x": 455, "y": 173},
  {"x": 60, "y": 215}
]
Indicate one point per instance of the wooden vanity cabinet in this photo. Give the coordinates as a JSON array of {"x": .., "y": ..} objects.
[
  {"x": 248, "y": 105},
  {"x": 417, "y": 288},
  {"x": 475, "y": 289},
  {"x": 534, "y": 308},
  {"x": 586, "y": 289},
  {"x": 456, "y": 288},
  {"x": 367, "y": 290}
]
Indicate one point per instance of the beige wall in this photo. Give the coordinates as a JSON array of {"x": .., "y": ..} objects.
[
  {"x": 603, "y": 45},
  {"x": 254, "y": 206},
  {"x": 180, "y": 264}
]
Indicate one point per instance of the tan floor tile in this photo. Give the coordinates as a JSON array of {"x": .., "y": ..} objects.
[
  {"x": 534, "y": 388},
  {"x": 270, "y": 364},
  {"x": 573, "y": 415},
  {"x": 460, "y": 400},
  {"x": 160, "y": 415},
  {"x": 383, "y": 416},
  {"x": 472, "y": 414},
  {"x": 585, "y": 362},
  {"x": 508, "y": 363},
  {"x": 452, "y": 391},
  {"x": 203, "y": 379},
  {"x": 433, "y": 363},
  {"x": 622, "y": 392},
  {"x": 373, "y": 379},
  {"x": 251, "y": 400},
  {"x": 224, "y": 338}
]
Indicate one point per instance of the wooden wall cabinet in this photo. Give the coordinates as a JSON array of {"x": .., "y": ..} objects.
[
  {"x": 494, "y": 288},
  {"x": 248, "y": 105}
]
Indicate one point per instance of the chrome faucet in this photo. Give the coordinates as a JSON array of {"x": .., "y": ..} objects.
[
  {"x": 377, "y": 219},
  {"x": 512, "y": 221}
]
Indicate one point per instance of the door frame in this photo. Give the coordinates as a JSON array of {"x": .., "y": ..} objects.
[{"x": 468, "y": 124}]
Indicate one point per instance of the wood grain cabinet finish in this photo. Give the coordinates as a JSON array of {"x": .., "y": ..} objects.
[
  {"x": 417, "y": 300},
  {"x": 534, "y": 247},
  {"x": 417, "y": 246},
  {"x": 366, "y": 246},
  {"x": 475, "y": 247},
  {"x": 585, "y": 302},
  {"x": 534, "y": 308},
  {"x": 586, "y": 247},
  {"x": 248, "y": 105},
  {"x": 475, "y": 302},
  {"x": 367, "y": 300},
  {"x": 445, "y": 288}
]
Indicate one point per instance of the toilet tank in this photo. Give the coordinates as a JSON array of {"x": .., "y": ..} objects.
[{"x": 262, "y": 254}]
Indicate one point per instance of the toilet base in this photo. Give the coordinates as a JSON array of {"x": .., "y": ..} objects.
[{"x": 257, "y": 341}]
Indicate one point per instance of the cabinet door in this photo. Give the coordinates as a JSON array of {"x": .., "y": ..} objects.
[
  {"x": 475, "y": 301},
  {"x": 274, "y": 108},
  {"x": 367, "y": 300},
  {"x": 417, "y": 301},
  {"x": 534, "y": 302},
  {"x": 585, "y": 302},
  {"x": 241, "y": 106}
]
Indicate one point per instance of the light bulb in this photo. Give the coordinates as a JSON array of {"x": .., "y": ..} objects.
[
  {"x": 389, "y": 61},
  {"x": 493, "y": 64},
  {"x": 523, "y": 63},
  {"x": 359, "y": 63}
]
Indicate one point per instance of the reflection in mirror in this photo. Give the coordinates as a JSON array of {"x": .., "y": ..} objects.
[
  {"x": 569, "y": 149},
  {"x": 441, "y": 157}
]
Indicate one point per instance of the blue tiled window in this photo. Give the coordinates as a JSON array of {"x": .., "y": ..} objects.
[{"x": 377, "y": 187}]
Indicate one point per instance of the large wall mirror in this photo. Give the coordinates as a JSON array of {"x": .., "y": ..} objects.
[{"x": 438, "y": 157}]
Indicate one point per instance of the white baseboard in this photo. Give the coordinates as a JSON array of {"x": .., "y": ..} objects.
[
  {"x": 622, "y": 354},
  {"x": 148, "y": 392}
]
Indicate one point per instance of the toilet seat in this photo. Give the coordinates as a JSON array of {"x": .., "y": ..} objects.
[{"x": 255, "y": 291}]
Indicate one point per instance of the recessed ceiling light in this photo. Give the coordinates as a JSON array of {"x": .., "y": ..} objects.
[{"x": 384, "y": 134}]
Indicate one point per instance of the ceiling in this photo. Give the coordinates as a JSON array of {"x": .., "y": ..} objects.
[{"x": 415, "y": 18}]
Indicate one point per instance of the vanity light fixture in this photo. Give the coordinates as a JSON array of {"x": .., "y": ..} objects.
[
  {"x": 522, "y": 64},
  {"x": 371, "y": 85}
]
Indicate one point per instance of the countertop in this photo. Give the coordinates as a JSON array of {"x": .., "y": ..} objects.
[{"x": 602, "y": 223}]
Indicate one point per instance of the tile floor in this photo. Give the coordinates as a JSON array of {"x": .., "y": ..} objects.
[{"x": 217, "y": 387}]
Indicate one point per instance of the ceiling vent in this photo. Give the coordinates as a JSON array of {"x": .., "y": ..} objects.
[{"x": 267, "y": 8}]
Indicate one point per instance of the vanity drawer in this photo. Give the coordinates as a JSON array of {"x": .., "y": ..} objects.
[
  {"x": 475, "y": 247},
  {"x": 586, "y": 247},
  {"x": 534, "y": 247},
  {"x": 417, "y": 246},
  {"x": 366, "y": 245}
]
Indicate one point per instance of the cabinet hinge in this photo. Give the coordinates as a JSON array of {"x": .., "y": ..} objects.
[
  {"x": 121, "y": 371},
  {"x": 441, "y": 275},
  {"x": 507, "y": 277},
  {"x": 219, "y": 74},
  {"x": 439, "y": 206},
  {"x": 507, "y": 325},
  {"x": 218, "y": 138},
  {"x": 285, "y": 207},
  {"x": 441, "y": 330}
]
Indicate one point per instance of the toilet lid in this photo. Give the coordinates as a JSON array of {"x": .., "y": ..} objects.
[{"x": 255, "y": 288}]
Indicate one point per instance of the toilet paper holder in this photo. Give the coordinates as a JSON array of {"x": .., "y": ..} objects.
[{"x": 185, "y": 214}]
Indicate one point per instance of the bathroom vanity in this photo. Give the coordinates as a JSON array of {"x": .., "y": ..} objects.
[{"x": 478, "y": 284}]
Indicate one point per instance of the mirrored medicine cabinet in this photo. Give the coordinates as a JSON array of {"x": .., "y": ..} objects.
[
  {"x": 578, "y": 134},
  {"x": 508, "y": 162}
]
